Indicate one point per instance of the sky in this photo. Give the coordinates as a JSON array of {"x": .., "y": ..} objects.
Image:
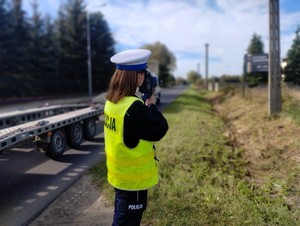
[{"x": 185, "y": 26}]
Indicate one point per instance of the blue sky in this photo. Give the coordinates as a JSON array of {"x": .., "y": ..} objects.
[{"x": 184, "y": 26}]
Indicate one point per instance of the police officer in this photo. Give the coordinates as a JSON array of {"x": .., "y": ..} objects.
[{"x": 131, "y": 126}]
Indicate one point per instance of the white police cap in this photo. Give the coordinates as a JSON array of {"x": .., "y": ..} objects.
[{"x": 131, "y": 60}]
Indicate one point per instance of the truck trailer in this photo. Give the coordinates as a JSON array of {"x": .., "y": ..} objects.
[{"x": 50, "y": 128}]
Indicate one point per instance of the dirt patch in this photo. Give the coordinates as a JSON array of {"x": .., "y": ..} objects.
[{"x": 81, "y": 204}]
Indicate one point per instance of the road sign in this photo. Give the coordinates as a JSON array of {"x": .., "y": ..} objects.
[{"x": 256, "y": 62}]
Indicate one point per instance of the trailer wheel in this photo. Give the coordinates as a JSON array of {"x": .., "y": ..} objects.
[
  {"x": 75, "y": 135},
  {"x": 90, "y": 128},
  {"x": 57, "y": 144}
]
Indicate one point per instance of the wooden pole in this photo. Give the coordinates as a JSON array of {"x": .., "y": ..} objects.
[{"x": 274, "y": 59}]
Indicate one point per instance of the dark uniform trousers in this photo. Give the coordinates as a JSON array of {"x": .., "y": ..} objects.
[{"x": 129, "y": 207}]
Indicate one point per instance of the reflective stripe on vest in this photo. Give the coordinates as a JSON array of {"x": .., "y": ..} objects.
[{"x": 127, "y": 168}]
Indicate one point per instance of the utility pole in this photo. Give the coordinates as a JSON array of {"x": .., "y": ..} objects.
[
  {"x": 206, "y": 66},
  {"x": 198, "y": 68},
  {"x": 274, "y": 58}
]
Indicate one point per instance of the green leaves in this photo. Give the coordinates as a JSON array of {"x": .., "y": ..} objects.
[
  {"x": 292, "y": 69},
  {"x": 256, "y": 45},
  {"x": 42, "y": 56}
]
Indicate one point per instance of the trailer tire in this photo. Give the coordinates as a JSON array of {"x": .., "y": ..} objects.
[
  {"x": 75, "y": 135},
  {"x": 57, "y": 144},
  {"x": 90, "y": 128}
]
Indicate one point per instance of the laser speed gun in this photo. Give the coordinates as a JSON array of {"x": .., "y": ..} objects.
[{"x": 148, "y": 86}]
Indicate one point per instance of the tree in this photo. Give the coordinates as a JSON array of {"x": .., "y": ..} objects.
[
  {"x": 193, "y": 77},
  {"x": 36, "y": 49},
  {"x": 3, "y": 34},
  {"x": 44, "y": 46},
  {"x": 72, "y": 25},
  {"x": 72, "y": 38},
  {"x": 166, "y": 61},
  {"x": 18, "y": 56},
  {"x": 5, "y": 37},
  {"x": 43, "y": 54},
  {"x": 292, "y": 69},
  {"x": 180, "y": 81},
  {"x": 102, "y": 48},
  {"x": 41, "y": 57},
  {"x": 50, "y": 43},
  {"x": 62, "y": 39},
  {"x": 256, "y": 45}
]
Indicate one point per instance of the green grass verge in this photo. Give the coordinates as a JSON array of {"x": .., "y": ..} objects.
[
  {"x": 291, "y": 108},
  {"x": 203, "y": 179}
]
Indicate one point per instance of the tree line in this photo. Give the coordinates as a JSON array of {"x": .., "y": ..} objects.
[{"x": 41, "y": 56}]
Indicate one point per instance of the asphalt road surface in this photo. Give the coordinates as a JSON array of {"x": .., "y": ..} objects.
[{"x": 30, "y": 181}]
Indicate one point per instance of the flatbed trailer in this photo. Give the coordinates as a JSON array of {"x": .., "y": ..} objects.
[
  {"x": 17, "y": 117},
  {"x": 52, "y": 134}
]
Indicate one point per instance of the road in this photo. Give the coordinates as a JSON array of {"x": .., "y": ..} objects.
[
  {"x": 30, "y": 181},
  {"x": 168, "y": 95}
]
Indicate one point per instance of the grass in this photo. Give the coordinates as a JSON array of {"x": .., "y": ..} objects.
[{"x": 204, "y": 175}]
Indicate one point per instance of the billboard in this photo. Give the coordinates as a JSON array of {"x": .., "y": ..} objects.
[{"x": 256, "y": 63}]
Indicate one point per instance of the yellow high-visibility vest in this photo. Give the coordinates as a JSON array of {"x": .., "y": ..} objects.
[{"x": 127, "y": 168}]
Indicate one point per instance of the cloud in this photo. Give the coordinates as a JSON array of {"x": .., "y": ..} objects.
[{"x": 184, "y": 26}]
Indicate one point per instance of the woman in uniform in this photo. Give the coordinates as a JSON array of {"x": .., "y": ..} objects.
[{"x": 131, "y": 126}]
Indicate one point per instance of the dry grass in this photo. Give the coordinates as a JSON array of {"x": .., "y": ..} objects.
[{"x": 271, "y": 144}]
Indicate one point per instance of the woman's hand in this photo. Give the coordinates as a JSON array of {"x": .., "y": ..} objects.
[{"x": 151, "y": 100}]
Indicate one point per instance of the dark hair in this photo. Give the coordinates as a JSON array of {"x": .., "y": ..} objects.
[{"x": 123, "y": 83}]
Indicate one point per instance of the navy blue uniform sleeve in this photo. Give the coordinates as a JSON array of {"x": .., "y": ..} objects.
[{"x": 142, "y": 122}]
